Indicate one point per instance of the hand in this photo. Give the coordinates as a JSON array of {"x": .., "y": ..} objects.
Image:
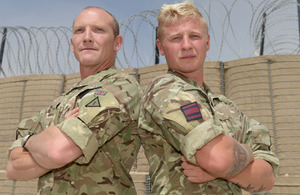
[
  {"x": 194, "y": 173},
  {"x": 72, "y": 113}
]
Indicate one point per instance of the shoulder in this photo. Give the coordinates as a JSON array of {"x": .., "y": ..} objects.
[
  {"x": 164, "y": 82},
  {"x": 123, "y": 83},
  {"x": 220, "y": 101},
  {"x": 163, "y": 89},
  {"x": 122, "y": 79}
]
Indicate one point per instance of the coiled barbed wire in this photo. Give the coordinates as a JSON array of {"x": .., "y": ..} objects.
[{"x": 235, "y": 27}]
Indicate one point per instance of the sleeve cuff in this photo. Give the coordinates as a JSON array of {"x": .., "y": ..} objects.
[
  {"x": 198, "y": 137},
  {"x": 82, "y": 136},
  {"x": 15, "y": 144},
  {"x": 269, "y": 157}
]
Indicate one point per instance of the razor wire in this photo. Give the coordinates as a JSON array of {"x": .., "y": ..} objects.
[{"x": 235, "y": 28}]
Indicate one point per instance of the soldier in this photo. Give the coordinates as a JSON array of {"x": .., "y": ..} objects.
[
  {"x": 197, "y": 142},
  {"x": 86, "y": 141}
]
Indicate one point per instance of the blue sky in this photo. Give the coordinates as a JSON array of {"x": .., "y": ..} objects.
[
  {"x": 234, "y": 25},
  {"x": 62, "y": 12}
]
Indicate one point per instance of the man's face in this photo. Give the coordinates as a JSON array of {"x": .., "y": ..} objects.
[
  {"x": 93, "y": 41},
  {"x": 184, "y": 44}
]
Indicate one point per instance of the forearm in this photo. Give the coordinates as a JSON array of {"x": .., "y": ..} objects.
[
  {"x": 52, "y": 148},
  {"x": 224, "y": 156},
  {"x": 256, "y": 177},
  {"x": 22, "y": 166}
]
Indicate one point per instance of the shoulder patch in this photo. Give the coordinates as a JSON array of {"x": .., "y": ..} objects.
[
  {"x": 191, "y": 111},
  {"x": 94, "y": 103}
]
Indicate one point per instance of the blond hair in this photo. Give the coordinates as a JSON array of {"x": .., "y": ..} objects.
[{"x": 171, "y": 13}]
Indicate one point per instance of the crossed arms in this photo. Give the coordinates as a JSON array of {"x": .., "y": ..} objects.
[
  {"x": 224, "y": 157},
  {"x": 49, "y": 149}
]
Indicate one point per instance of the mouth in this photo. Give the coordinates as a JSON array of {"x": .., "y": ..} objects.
[
  {"x": 88, "y": 49},
  {"x": 187, "y": 57}
]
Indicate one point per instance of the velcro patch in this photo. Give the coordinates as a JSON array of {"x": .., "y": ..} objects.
[
  {"x": 191, "y": 111},
  {"x": 99, "y": 92},
  {"x": 94, "y": 103}
]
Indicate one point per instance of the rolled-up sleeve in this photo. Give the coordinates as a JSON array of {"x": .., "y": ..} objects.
[
  {"x": 259, "y": 139},
  {"x": 198, "y": 137},
  {"x": 82, "y": 136}
]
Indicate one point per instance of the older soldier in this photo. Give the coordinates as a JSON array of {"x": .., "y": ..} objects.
[
  {"x": 86, "y": 141},
  {"x": 182, "y": 120}
]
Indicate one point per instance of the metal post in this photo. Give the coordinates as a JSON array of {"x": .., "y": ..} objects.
[
  {"x": 2, "y": 49},
  {"x": 263, "y": 34},
  {"x": 148, "y": 185},
  {"x": 222, "y": 77},
  {"x": 298, "y": 5},
  {"x": 156, "y": 49}
]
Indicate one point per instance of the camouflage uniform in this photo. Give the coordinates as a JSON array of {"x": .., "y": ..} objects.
[
  {"x": 105, "y": 130},
  {"x": 178, "y": 117}
]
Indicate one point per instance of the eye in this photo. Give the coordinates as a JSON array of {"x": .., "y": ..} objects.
[
  {"x": 175, "y": 38},
  {"x": 195, "y": 36},
  {"x": 99, "y": 30},
  {"x": 79, "y": 30}
]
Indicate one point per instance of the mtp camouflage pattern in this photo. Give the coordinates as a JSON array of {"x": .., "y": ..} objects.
[
  {"x": 167, "y": 132},
  {"x": 105, "y": 130}
]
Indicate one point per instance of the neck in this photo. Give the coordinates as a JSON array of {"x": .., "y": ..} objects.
[
  {"x": 87, "y": 71},
  {"x": 195, "y": 76}
]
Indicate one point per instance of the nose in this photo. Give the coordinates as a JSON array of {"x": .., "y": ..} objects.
[
  {"x": 88, "y": 36},
  {"x": 186, "y": 43}
]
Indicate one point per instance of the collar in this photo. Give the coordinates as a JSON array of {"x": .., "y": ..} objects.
[
  {"x": 191, "y": 82},
  {"x": 95, "y": 78},
  {"x": 98, "y": 76}
]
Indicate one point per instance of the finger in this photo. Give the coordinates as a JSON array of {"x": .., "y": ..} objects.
[
  {"x": 191, "y": 173},
  {"x": 74, "y": 111},
  {"x": 195, "y": 180},
  {"x": 188, "y": 165},
  {"x": 185, "y": 165},
  {"x": 183, "y": 158},
  {"x": 72, "y": 104}
]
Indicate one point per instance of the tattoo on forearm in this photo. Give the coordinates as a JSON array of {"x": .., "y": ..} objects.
[
  {"x": 248, "y": 188},
  {"x": 241, "y": 158},
  {"x": 251, "y": 188},
  {"x": 262, "y": 188}
]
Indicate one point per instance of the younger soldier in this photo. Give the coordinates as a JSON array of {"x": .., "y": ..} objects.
[{"x": 181, "y": 119}]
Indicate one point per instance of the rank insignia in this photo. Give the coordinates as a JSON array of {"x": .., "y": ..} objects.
[
  {"x": 191, "y": 111},
  {"x": 99, "y": 92},
  {"x": 94, "y": 103}
]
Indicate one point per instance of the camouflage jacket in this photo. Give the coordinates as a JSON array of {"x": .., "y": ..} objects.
[
  {"x": 178, "y": 117},
  {"x": 105, "y": 130}
]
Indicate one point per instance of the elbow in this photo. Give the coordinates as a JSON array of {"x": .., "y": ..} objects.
[
  {"x": 268, "y": 175},
  {"x": 220, "y": 168},
  {"x": 63, "y": 155},
  {"x": 9, "y": 174},
  {"x": 56, "y": 157},
  {"x": 217, "y": 166},
  {"x": 10, "y": 171},
  {"x": 270, "y": 182}
]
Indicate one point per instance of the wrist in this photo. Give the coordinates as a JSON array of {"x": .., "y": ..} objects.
[{"x": 25, "y": 140}]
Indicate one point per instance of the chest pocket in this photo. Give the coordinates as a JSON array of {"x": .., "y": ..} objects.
[{"x": 96, "y": 102}]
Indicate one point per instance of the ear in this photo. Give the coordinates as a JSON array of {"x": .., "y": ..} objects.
[
  {"x": 118, "y": 42},
  {"x": 208, "y": 42},
  {"x": 72, "y": 45},
  {"x": 160, "y": 47}
]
